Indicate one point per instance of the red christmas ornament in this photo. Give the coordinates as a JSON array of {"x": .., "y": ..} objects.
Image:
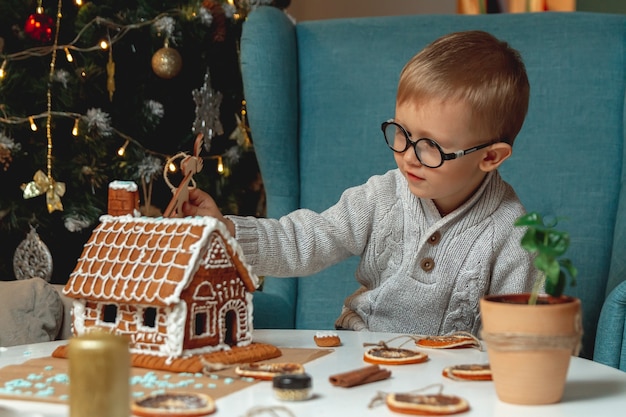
[{"x": 39, "y": 27}]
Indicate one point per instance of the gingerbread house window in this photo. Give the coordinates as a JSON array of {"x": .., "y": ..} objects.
[
  {"x": 109, "y": 313},
  {"x": 149, "y": 317},
  {"x": 200, "y": 323}
]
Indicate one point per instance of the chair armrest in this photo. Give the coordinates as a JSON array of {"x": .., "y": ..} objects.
[
  {"x": 66, "y": 326},
  {"x": 610, "y": 345}
]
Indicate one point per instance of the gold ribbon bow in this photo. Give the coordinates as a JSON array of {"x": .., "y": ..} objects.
[{"x": 40, "y": 184}]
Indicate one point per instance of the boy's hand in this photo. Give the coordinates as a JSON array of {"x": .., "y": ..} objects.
[{"x": 202, "y": 204}]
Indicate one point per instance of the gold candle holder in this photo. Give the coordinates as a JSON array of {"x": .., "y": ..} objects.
[{"x": 99, "y": 373}]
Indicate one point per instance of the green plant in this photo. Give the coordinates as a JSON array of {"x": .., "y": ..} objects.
[{"x": 550, "y": 245}]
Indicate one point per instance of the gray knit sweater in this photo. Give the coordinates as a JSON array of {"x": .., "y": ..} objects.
[{"x": 420, "y": 273}]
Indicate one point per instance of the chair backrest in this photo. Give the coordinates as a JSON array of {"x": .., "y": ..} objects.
[{"x": 317, "y": 92}]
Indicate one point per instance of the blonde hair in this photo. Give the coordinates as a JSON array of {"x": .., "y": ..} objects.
[{"x": 478, "y": 69}]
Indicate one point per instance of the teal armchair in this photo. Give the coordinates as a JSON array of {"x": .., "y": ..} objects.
[{"x": 317, "y": 92}]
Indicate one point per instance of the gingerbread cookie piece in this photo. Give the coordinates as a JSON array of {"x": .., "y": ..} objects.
[
  {"x": 267, "y": 371},
  {"x": 473, "y": 372},
  {"x": 426, "y": 405},
  {"x": 327, "y": 339},
  {"x": 174, "y": 405},
  {"x": 385, "y": 355},
  {"x": 452, "y": 341}
]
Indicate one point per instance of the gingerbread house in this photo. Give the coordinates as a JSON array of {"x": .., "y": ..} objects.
[{"x": 174, "y": 287}]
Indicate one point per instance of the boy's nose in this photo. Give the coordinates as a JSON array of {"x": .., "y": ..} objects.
[{"x": 411, "y": 157}]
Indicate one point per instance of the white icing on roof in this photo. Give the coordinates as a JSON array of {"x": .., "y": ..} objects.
[{"x": 147, "y": 260}]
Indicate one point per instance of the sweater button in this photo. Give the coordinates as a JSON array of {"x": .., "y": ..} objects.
[
  {"x": 427, "y": 264},
  {"x": 434, "y": 238}
]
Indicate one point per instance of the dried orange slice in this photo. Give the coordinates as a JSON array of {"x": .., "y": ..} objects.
[
  {"x": 173, "y": 404},
  {"x": 473, "y": 372},
  {"x": 426, "y": 405},
  {"x": 267, "y": 371},
  {"x": 385, "y": 355},
  {"x": 453, "y": 341}
]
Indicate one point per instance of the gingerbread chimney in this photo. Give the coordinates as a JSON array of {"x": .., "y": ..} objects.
[{"x": 123, "y": 198}]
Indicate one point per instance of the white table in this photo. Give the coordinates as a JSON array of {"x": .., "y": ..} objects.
[{"x": 592, "y": 389}]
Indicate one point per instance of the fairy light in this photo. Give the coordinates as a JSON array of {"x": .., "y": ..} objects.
[
  {"x": 2, "y": 69},
  {"x": 78, "y": 2},
  {"x": 220, "y": 165},
  {"x": 172, "y": 167},
  {"x": 33, "y": 125},
  {"x": 104, "y": 44},
  {"x": 122, "y": 150},
  {"x": 236, "y": 15},
  {"x": 75, "y": 128},
  {"x": 68, "y": 55}
]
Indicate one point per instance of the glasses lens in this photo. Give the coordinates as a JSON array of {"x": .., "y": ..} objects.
[
  {"x": 428, "y": 152},
  {"x": 395, "y": 137}
]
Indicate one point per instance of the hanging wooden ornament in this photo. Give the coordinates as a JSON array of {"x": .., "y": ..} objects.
[
  {"x": 167, "y": 62},
  {"x": 32, "y": 258}
]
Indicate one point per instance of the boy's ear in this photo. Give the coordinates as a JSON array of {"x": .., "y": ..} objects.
[{"x": 495, "y": 155}]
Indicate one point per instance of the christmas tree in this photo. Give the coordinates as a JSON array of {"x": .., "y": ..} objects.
[{"x": 115, "y": 90}]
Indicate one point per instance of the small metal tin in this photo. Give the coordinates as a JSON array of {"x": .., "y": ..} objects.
[
  {"x": 99, "y": 373},
  {"x": 292, "y": 387}
]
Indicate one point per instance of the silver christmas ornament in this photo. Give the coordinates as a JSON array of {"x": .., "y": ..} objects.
[{"x": 32, "y": 258}]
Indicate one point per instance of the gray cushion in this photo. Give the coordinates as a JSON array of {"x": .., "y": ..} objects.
[{"x": 31, "y": 311}]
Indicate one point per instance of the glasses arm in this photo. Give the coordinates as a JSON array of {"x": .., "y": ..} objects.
[{"x": 458, "y": 154}]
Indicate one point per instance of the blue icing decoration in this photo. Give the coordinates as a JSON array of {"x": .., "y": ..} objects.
[
  {"x": 64, "y": 397},
  {"x": 45, "y": 393},
  {"x": 60, "y": 378},
  {"x": 48, "y": 368},
  {"x": 228, "y": 380},
  {"x": 137, "y": 394},
  {"x": 20, "y": 383},
  {"x": 198, "y": 385},
  {"x": 40, "y": 385},
  {"x": 34, "y": 376},
  {"x": 212, "y": 385},
  {"x": 185, "y": 383}
]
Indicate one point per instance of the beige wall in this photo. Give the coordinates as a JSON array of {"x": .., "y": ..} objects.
[{"x": 328, "y": 9}]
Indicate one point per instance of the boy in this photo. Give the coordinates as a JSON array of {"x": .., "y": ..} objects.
[{"x": 435, "y": 234}]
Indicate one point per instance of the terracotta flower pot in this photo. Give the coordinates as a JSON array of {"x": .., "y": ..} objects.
[{"x": 530, "y": 346}]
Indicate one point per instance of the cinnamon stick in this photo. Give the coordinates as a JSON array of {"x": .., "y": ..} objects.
[{"x": 360, "y": 376}]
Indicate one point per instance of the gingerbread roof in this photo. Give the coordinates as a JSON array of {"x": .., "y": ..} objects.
[{"x": 149, "y": 261}]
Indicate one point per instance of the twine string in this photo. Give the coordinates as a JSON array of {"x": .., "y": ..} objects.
[
  {"x": 271, "y": 410},
  {"x": 525, "y": 341},
  {"x": 381, "y": 396},
  {"x": 517, "y": 341}
]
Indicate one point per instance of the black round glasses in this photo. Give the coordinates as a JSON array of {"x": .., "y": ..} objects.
[{"x": 427, "y": 151}]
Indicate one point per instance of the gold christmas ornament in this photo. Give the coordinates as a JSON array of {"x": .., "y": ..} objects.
[
  {"x": 42, "y": 184},
  {"x": 167, "y": 62}
]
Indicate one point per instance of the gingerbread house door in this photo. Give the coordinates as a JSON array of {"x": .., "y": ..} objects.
[{"x": 234, "y": 315}]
